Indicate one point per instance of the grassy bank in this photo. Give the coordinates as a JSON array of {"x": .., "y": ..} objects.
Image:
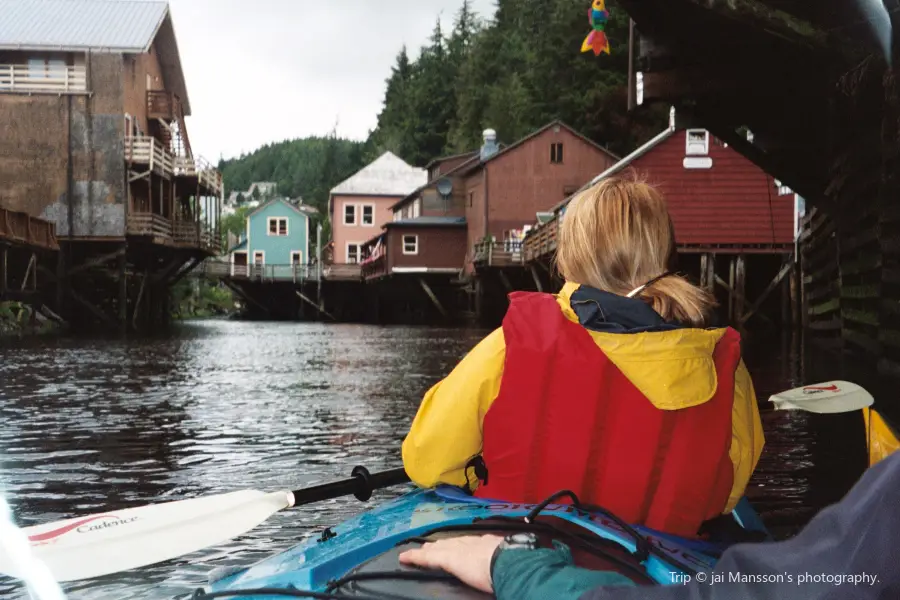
[
  {"x": 201, "y": 298},
  {"x": 18, "y": 319}
]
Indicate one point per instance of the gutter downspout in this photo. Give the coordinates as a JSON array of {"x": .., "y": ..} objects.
[{"x": 487, "y": 196}]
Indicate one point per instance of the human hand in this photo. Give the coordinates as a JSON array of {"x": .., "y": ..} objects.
[{"x": 467, "y": 558}]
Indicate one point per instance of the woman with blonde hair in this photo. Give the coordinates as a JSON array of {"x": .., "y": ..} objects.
[{"x": 614, "y": 389}]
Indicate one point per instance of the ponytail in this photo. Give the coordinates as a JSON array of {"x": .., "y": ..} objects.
[{"x": 674, "y": 298}]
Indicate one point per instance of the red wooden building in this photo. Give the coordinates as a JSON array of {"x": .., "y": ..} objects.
[
  {"x": 724, "y": 209},
  {"x": 718, "y": 199}
]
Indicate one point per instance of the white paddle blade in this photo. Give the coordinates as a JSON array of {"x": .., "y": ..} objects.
[
  {"x": 824, "y": 398},
  {"x": 114, "y": 541}
]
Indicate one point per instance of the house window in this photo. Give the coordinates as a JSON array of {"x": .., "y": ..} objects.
[
  {"x": 349, "y": 214},
  {"x": 696, "y": 142},
  {"x": 397, "y": 215},
  {"x": 278, "y": 226},
  {"x": 410, "y": 244},
  {"x": 416, "y": 208},
  {"x": 354, "y": 253},
  {"x": 556, "y": 153},
  {"x": 368, "y": 214},
  {"x": 42, "y": 68},
  {"x": 259, "y": 257},
  {"x": 296, "y": 258}
]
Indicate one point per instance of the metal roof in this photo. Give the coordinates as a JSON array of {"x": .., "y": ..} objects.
[
  {"x": 80, "y": 24},
  {"x": 388, "y": 175},
  {"x": 97, "y": 25}
]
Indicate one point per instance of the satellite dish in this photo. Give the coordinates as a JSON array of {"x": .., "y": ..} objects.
[{"x": 444, "y": 187}]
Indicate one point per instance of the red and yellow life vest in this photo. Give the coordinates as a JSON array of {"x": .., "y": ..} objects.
[{"x": 566, "y": 418}]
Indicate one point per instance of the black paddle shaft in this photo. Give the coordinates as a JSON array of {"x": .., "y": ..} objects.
[{"x": 361, "y": 484}]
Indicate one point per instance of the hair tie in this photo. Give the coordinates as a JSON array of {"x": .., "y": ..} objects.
[{"x": 641, "y": 288}]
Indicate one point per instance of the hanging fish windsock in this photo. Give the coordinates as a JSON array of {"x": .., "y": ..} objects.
[{"x": 596, "y": 40}]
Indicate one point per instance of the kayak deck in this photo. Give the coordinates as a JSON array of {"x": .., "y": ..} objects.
[{"x": 314, "y": 563}]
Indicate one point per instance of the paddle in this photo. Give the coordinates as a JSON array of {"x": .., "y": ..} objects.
[
  {"x": 99, "y": 544},
  {"x": 824, "y": 398}
]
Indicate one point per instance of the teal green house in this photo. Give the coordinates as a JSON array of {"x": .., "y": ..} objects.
[{"x": 275, "y": 243}]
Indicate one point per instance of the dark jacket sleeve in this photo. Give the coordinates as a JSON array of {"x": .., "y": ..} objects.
[{"x": 850, "y": 550}]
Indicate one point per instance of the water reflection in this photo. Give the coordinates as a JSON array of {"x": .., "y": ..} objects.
[{"x": 89, "y": 425}]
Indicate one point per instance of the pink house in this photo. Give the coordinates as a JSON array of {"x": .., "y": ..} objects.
[{"x": 361, "y": 204}]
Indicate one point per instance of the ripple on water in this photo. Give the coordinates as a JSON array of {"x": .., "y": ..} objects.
[{"x": 95, "y": 425}]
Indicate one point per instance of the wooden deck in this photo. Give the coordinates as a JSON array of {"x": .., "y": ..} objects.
[
  {"x": 22, "y": 229},
  {"x": 499, "y": 254},
  {"x": 342, "y": 272},
  {"x": 161, "y": 230},
  {"x": 540, "y": 243},
  {"x": 262, "y": 273},
  {"x": 149, "y": 152}
]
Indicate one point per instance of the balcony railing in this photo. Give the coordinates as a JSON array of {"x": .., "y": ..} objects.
[
  {"x": 266, "y": 273},
  {"x": 146, "y": 150},
  {"x": 541, "y": 242},
  {"x": 149, "y": 224},
  {"x": 343, "y": 272},
  {"x": 22, "y": 228},
  {"x": 375, "y": 267},
  {"x": 186, "y": 233},
  {"x": 498, "y": 254},
  {"x": 162, "y": 105},
  {"x": 63, "y": 79},
  {"x": 207, "y": 176}
]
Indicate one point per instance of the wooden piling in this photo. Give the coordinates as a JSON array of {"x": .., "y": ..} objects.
[
  {"x": 123, "y": 292},
  {"x": 739, "y": 287},
  {"x": 3, "y": 271}
]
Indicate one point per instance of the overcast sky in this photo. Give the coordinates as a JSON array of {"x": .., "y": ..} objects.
[{"x": 262, "y": 71}]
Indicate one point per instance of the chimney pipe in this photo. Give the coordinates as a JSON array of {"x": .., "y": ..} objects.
[{"x": 490, "y": 147}]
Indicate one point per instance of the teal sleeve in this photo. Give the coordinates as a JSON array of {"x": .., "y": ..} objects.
[{"x": 544, "y": 573}]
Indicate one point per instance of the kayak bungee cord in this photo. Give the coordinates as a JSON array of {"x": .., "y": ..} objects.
[
  {"x": 286, "y": 592},
  {"x": 642, "y": 547},
  {"x": 595, "y": 545}
]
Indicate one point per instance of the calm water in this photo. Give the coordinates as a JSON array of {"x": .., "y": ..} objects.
[{"x": 96, "y": 425}]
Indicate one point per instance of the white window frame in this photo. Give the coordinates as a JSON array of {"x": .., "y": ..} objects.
[
  {"x": 287, "y": 226},
  {"x": 259, "y": 253},
  {"x": 355, "y": 214},
  {"x": 362, "y": 214},
  {"x": 415, "y": 249},
  {"x": 299, "y": 254},
  {"x": 690, "y": 148},
  {"x": 416, "y": 208},
  {"x": 359, "y": 246}
]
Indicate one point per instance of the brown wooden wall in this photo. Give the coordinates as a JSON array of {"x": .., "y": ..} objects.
[
  {"x": 42, "y": 131},
  {"x": 134, "y": 84},
  {"x": 523, "y": 181},
  {"x": 439, "y": 247}
]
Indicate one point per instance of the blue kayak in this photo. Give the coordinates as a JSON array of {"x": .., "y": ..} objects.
[{"x": 358, "y": 558}]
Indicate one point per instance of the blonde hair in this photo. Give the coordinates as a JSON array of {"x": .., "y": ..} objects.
[{"x": 616, "y": 236}]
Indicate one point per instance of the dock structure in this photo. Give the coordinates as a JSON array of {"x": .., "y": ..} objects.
[
  {"x": 358, "y": 207},
  {"x": 824, "y": 116},
  {"x": 25, "y": 243},
  {"x": 735, "y": 225},
  {"x": 271, "y": 268},
  {"x": 101, "y": 151}
]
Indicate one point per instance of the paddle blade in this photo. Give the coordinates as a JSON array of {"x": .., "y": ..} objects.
[
  {"x": 824, "y": 398},
  {"x": 104, "y": 543}
]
